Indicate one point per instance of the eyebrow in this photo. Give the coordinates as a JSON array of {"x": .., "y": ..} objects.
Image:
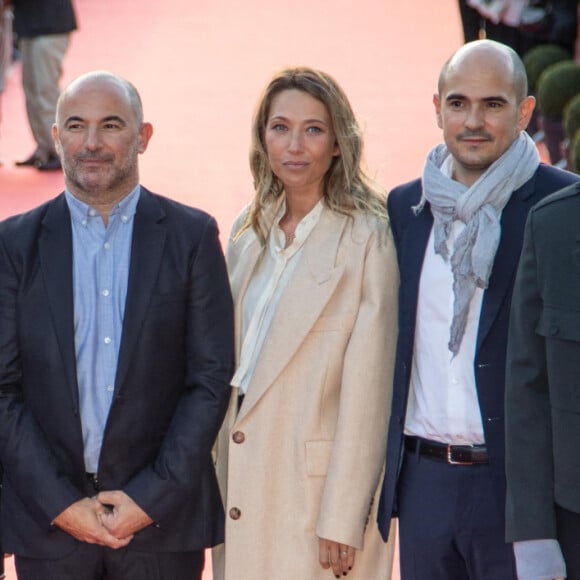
[
  {"x": 283, "y": 118},
  {"x": 460, "y": 97},
  {"x": 76, "y": 118}
]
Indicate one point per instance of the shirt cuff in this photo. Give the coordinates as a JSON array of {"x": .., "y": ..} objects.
[{"x": 539, "y": 560}]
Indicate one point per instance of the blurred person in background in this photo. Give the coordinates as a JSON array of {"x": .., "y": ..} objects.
[
  {"x": 43, "y": 30},
  {"x": 5, "y": 48},
  {"x": 5, "y": 60},
  {"x": 521, "y": 24}
]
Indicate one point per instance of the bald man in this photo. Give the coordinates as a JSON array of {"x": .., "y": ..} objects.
[
  {"x": 458, "y": 232},
  {"x": 116, "y": 352}
]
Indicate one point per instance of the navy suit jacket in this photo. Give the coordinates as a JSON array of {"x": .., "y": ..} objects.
[
  {"x": 411, "y": 233},
  {"x": 171, "y": 389}
]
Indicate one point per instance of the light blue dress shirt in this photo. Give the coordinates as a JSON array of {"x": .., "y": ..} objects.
[{"x": 101, "y": 260}]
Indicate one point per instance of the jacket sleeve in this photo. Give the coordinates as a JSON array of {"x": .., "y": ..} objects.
[
  {"x": 529, "y": 462},
  {"x": 34, "y": 470},
  {"x": 359, "y": 446},
  {"x": 186, "y": 449}
]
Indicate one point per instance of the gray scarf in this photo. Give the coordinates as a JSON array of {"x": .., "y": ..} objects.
[{"x": 479, "y": 207}]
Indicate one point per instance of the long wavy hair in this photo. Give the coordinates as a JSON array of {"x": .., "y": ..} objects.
[{"x": 346, "y": 187}]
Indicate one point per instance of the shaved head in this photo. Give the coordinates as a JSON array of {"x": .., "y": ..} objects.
[
  {"x": 491, "y": 54},
  {"x": 99, "y": 79}
]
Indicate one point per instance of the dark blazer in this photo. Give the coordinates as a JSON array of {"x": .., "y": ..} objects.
[
  {"x": 171, "y": 389},
  {"x": 543, "y": 372},
  {"x": 411, "y": 233},
  {"x": 43, "y": 17}
]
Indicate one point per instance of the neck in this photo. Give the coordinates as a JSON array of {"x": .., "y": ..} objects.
[
  {"x": 103, "y": 201},
  {"x": 297, "y": 206},
  {"x": 463, "y": 176}
]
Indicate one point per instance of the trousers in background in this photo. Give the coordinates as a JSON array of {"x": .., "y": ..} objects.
[{"x": 42, "y": 58}]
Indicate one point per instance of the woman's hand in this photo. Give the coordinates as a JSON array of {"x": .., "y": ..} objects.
[{"x": 337, "y": 556}]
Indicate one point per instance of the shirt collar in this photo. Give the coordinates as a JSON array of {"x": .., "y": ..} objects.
[
  {"x": 303, "y": 229},
  {"x": 80, "y": 210}
]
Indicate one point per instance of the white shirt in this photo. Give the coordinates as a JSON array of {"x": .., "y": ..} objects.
[
  {"x": 265, "y": 289},
  {"x": 443, "y": 404}
]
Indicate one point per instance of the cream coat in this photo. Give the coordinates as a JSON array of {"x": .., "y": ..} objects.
[{"x": 303, "y": 457}]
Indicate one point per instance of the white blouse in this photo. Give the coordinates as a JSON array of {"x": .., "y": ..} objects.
[{"x": 269, "y": 280}]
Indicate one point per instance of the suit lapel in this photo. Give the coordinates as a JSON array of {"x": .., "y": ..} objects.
[
  {"x": 56, "y": 263},
  {"x": 146, "y": 253},
  {"x": 411, "y": 257},
  {"x": 513, "y": 220},
  {"x": 307, "y": 293}
]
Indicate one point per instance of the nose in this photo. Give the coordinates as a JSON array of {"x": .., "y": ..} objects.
[
  {"x": 295, "y": 144},
  {"x": 92, "y": 140},
  {"x": 474, "y": 118}
]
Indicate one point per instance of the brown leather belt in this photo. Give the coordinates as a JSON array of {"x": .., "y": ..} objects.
[{"x": 452, "y": 454}]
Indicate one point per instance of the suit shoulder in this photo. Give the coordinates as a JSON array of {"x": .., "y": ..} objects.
[
  {"x": 405, "y": 195},
  {"x": 406, "y": 191},
  {"x": 180, "y": 211},
  {"x": 28, "y": 221},
  {"x": 240, "y": 220},
  {"x": 570, "y": 193},
  {"x": 550, "y": 179},
  {"x": 401, "y": 199}
]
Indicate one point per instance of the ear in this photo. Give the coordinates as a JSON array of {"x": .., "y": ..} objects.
[
  {"x": 525, "y": 111},
  {"x": 437, "y": 104},
  {"x": 336, "y": 150},
  {"x": 145, "y": 133},
  {"x": 56, "y": 139}
]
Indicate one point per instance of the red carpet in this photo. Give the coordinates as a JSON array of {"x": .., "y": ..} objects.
[{"x": 200, "y": 67}]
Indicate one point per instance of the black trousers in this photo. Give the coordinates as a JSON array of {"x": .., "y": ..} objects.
[
  {"x": 568, "y": 528},
  {"x": 451, "y": 523},
  {"x": 91, "y": 562}
]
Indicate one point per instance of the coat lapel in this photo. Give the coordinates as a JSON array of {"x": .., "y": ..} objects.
[
  {"x": 56, "y": 263},
  {"x": 307, "y": 293},
  {"x": 146, "y": 254},
  {"x": 248, "y": 251}
]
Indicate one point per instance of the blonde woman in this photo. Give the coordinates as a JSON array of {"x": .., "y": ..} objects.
[{"x": 314, "y": 276}]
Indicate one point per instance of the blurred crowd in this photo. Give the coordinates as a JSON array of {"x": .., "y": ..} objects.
[
  {"x": 37, "y": 32},
  {"x": 545, "y": 34}
]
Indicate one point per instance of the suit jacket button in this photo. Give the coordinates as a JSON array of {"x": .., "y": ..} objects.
[
  {"x": 554, "y": 330},
  {"x": 238, "y": 437},
  {"x": 235, "y": 513}
]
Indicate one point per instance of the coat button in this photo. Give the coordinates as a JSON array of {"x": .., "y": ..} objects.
[
  {"x": 554, "y": 330},
  {"x": 238, "y": 437},
  {"x": 235, "y": 513}
]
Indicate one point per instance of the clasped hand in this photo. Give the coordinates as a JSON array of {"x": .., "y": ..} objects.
[{"x": 110, "y": 519}]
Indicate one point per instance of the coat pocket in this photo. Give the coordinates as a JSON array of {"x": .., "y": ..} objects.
[
  {"x": 560, "y": 329},
  {"x": 559, "y": 324},
  {"x": 318, "y": 457},
  {"x": 334, "y": 322}
]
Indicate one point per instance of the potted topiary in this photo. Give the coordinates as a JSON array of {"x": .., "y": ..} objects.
[
  {"x": 571, "y": 122},
  {"x": 536, "y": 60},
  {"x": 575, "y": 154},
  {"x": 557, "y": 85}
]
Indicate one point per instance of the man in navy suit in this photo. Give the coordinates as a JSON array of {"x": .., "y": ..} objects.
[
  {"x": 116, "y": 351},
  {"x": 458, "y": 232}
]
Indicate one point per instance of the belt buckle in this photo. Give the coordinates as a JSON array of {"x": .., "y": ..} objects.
[{"x": 451, "y": 461}]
